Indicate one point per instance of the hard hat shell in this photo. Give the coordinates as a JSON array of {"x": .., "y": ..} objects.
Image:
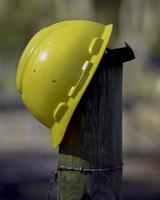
[{"x": 56, "y": 68}]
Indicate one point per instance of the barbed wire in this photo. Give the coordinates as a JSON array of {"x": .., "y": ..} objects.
[{"x": 84, "y": 171}]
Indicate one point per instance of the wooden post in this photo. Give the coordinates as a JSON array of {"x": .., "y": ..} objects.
[{"x": 94, "y": 140}]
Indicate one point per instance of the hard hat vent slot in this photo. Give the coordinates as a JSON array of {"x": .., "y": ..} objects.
[
  {"x": 60, "y": 111},
  {"x": 95, "y": 46},
  {"x": 84, "y": 75}
]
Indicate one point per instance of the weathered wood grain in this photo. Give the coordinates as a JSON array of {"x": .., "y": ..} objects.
[{"x": 94, "y": 140}]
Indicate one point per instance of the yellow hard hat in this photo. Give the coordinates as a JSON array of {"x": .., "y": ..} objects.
[{"x": 56, "y": 68}]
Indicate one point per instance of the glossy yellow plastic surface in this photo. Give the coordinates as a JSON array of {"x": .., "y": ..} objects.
[{"x": 56, "y": 68}]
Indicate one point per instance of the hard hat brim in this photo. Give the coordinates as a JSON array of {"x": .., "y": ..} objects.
[{"x": 58, "y": 129}]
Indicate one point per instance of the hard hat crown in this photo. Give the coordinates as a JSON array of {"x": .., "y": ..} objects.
[{"x": 55, "y": 69}]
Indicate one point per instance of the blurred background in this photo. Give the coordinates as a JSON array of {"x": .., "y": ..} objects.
[{"x": 26, "y": 158}]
